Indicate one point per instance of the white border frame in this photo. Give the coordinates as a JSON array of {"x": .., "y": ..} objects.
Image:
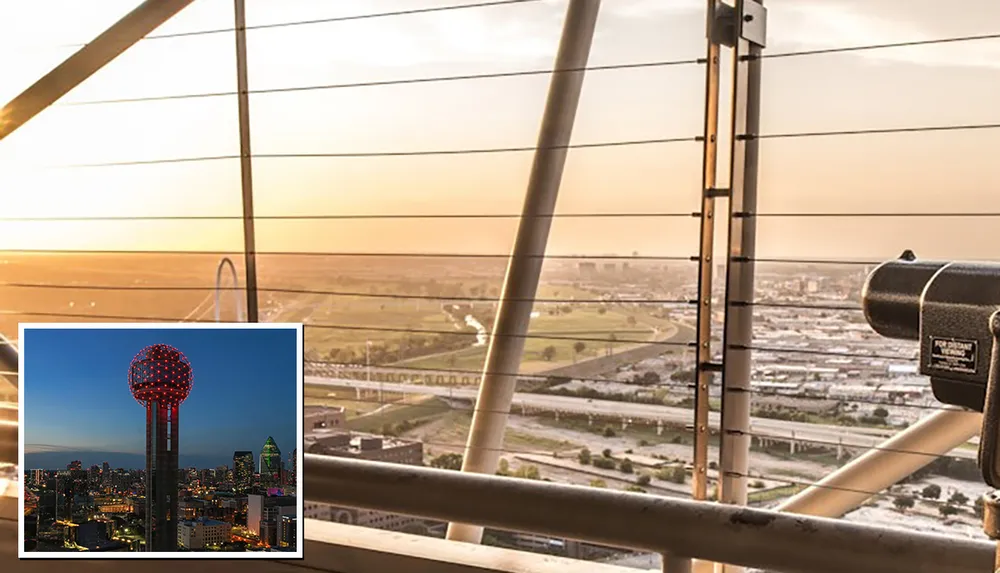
[{"x": 299, "y": 493}]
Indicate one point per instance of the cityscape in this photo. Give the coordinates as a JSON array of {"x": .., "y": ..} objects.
[
  {"x": 159, "y": 506},
  {"x": 249, "y": 505}
]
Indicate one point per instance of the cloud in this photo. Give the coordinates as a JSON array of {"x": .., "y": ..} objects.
[{"x": 823, "y": 25}]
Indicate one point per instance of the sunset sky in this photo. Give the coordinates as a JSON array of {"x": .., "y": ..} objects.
[{"x": 943, "y": 84}]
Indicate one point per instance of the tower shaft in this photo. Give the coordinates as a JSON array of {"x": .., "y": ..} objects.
[{"x": 162, "y": 430}]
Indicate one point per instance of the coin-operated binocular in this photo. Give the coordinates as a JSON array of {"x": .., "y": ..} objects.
[{"x": 953, "y": 309}]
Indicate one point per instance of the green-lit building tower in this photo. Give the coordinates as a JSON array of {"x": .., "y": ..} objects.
[{"x": 270, "y": 464}]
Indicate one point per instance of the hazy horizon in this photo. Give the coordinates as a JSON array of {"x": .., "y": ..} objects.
[
  {"x": 58, "y": 460},
  {"x": 943, "y": 84}
]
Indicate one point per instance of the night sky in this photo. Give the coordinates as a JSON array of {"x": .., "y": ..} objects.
[{"x": 77, "y": 402}]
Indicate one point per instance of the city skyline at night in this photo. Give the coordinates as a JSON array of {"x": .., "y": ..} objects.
[
  {"x": 77, "y": 382},
  {"x": 90, "y": 415}
]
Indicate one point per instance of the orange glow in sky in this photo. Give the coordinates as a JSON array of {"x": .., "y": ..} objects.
[{"x": 931, "y": 85}]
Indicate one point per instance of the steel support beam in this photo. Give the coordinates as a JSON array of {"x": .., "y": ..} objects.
[
  {"x": 110, "y": 44},
  {"x": 246, "y": 159},
  {"x": 705, "y": 373},
  {"x": 734, "y": 450},
  {"x": 713, "y": 532},
  {"x": 898, "y": 457},
  {"x": 503, "y": 358}
]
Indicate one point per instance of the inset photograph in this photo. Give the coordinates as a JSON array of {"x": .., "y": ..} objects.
[{"x": 161, "y": 440}]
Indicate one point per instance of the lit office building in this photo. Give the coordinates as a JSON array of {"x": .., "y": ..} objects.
[{"x": 242, "y": 471}]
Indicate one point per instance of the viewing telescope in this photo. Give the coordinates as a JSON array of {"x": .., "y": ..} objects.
[{"x": 953, "y": 310}]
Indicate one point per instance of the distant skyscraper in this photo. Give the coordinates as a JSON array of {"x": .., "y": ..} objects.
[
  {"x": 242, "y": 471},
  {"x": 106, "y": 474},
  {"x": 270, "y": 464},
  {"x": 160, "y": 379},
  {"x": 294, "y": 465}
]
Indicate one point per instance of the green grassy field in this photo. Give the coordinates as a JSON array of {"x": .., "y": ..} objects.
[
  {"x": 416, "y": 412},
  {"x": 582, "y": 322},
  {"x": 339, "y": 323}
]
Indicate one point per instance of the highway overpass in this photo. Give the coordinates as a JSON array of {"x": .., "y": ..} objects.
[{"x": 764, "y": 429}]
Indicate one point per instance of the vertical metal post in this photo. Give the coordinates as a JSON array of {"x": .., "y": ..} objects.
[
  {"x": 503, "y": 358},
  {"x": 246, "y": 159},
  {"x": 703, "y": 353},
  {"x": 750, "y": 25}
]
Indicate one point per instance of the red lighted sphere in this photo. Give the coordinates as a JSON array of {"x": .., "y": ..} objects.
[{"x": 160, "y": 373}]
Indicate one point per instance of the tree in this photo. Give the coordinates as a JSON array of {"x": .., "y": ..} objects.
[
  {"x": 880, "y": 412},
  {"x": 549, "y": 353},
  {"x": 958, "y": 498},
  {"x": 933, "y": 491},
  {"x": 598, "y": 483},
  {"x": 606, "y": 453},
  {"x": 625, "y": 466},
  {"x": 602, "y": 310},
  {"x": 447, "y": 462},
  {"x": 584, "y": 456},
  {"x": 683, "y": 376},
  {"x": 609, "y": 432},
  {"x": 578, "y": 347},
  {"x": 630, "y": 320},
  {"x": 503, "y": 467},
  {"x": 903, "y": 502},
  {"x": 528, "y": 472},
  {"x": 643, "y": 479},
  {"x": 947, "y": 510},
  {"x": 603, "y": 463},
  {"x": 977, "y": 507}
]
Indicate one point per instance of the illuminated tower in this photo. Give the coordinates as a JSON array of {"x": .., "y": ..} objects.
[
  {"x": 242, "y": 471},
  {"x": 160, "y": 379},
  {"x": 270, "y": 464}
]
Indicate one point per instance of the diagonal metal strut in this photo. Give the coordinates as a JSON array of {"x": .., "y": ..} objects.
[{"x": 110, "y": 44}]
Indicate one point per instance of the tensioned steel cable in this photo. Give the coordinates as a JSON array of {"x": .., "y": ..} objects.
[
  {"x": 330, "y": 20},
  {"x": 358, "y": 216},
  {"x": 496, "y": 150},
  {"x": 496, "y": 75},
  {"x": 900, "y": 215},
  {"x": 392, "y": 82},
  {"x": 782, "y": 350},
  {"x": 346, "y": 254},
  {"x": 328, "y": 366},
  {"x": 385, "y": 154},
  {"x": 876, "y": 131},
  {"x": 804, "y": 484},
  {"x": 363, "y": 328},
  {"x": 358, "y": 294},
  {"x": 884, "y": 46}
]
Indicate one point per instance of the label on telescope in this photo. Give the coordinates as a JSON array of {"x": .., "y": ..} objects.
[{"x": 954, "y": 355}]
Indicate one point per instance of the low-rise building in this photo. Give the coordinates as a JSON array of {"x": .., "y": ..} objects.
[{"x": 196, "y": 534}]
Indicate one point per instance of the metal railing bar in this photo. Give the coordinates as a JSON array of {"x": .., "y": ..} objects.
[{"x": 713, "y": 532}]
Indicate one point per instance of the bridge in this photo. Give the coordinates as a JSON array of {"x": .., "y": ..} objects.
[{"x": 763, "y": 430}]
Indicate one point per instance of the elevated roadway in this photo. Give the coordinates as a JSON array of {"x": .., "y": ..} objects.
[{"x": 762, "y": 428}]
